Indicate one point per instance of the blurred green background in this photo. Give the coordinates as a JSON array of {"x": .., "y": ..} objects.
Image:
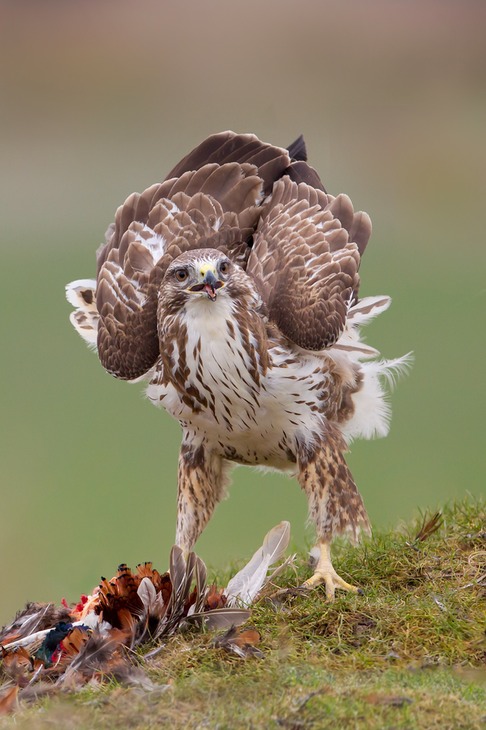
[{"x": 99, "y": 99}]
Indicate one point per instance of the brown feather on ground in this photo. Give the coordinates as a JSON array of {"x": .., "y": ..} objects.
[{"x": 93, "y": 640}]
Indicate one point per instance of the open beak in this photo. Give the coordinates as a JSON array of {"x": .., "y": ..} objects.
[{"x": 209, "y": 284}]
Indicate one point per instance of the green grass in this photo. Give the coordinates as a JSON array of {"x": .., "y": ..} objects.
[{"x": 409, "y": 653}]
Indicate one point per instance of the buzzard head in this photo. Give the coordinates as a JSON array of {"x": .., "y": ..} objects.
[
  {"x": 201, "y": 274},
  {"x": 201, "y": 277}
]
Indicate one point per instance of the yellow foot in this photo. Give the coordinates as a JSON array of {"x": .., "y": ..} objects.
[
  {"x": 326, "y": 575},
  {"x": 332, "y": 581}
]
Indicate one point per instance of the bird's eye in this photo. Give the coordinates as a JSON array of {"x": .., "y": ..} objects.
[
  {"x": 181, "y": 274},
  {"x": 224, "y": 267}
]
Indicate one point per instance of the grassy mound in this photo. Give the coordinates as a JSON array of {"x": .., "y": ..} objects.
[{"x": 409, "y": 653}]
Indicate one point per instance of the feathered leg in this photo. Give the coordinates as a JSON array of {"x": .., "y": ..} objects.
[
  {"x": 335, "y": 505},
  {"x": 201, "y": 485}
]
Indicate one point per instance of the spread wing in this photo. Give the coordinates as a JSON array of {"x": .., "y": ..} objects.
[
  {"x": 211, "y": 199},
  {"x": 305, "y": 261},
  {"x": 216, "y": 206}
]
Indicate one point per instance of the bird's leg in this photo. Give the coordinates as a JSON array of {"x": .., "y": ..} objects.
[
  {"x": 335, "y": 505},
  {"x": 325, "y": 574},
  {"x": 201, "y": 485}
]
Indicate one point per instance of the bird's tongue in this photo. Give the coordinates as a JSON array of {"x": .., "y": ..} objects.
[{"x": 209, "y": 289}]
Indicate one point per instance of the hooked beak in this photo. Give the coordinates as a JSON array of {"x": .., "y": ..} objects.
[{"x": 209, "y": 284}]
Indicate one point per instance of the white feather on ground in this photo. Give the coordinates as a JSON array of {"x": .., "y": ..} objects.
[{"x": 246, "y": 584}]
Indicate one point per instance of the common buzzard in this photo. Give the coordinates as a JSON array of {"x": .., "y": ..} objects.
[{"x": 232, "y": 289}]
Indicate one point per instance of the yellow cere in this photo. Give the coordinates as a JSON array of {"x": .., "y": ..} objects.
[{"x": 205, "y": 268}]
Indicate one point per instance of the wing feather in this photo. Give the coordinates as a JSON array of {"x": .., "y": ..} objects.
[
  {"x": 225, "y": 147},
  {"x": 82, "y": 295},
  {"x": 305, "y": 262},
  {"x": 299, "y": 171},
  {"x": 216, "y": 206}
]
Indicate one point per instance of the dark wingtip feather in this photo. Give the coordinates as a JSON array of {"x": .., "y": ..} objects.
[{"x": 298, "y": 150}]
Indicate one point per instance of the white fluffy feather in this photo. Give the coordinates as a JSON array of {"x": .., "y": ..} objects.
[{"x": 372, "y": 413}]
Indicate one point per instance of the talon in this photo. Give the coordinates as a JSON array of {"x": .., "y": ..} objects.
[{"x": 325, "y": 574}]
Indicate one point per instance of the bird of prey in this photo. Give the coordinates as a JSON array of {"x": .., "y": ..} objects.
[{"x": 231, "y": 288}]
